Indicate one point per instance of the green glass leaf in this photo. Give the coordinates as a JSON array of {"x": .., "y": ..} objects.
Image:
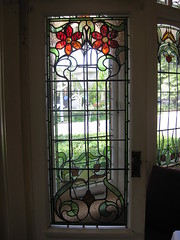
[
  {"x": 101, "y": 65},
  {"x": 103, "y": 165},
  {"x": 71, "y": 213},
  {"x": 58, "y": 29},
  {"x": 55, "y": 52},
  {"x": 82, "y": 25},
  {"x": 106, "y": 150},
  {"x": 173, "y": 48},
  {"x": 86, "y": 23},
  {"x": 64, "y": 188},
  {"x": 80, "y": 158},
  {"x": 91, "y": 25},
  {"x": 174, "y": 145},
  {"x": 101, "y": 60},
  {"x": 103, "y": 208},
  {"x": 114, "y": 190},
  {"x": 91, "y": 156},
  {"x": 178, "y": 37},
  {"x": 162, "y": 145},
  {"x": 159, "y": 35},
  {"x": 74, "y": 209},
  {"x": 89, "y": 35},
  {"x": 65, "y": 173},
  {"x": 116, "y": 28},
  {"x": 61, "y": 191},
  {"x": 118, "y": 51},
  {"x": 62, "y": 155}
]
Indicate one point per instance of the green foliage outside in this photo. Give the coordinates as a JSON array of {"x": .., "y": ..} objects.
[
  {"x": 97, "y": 150},
  {"x": 168, "y": 86}
]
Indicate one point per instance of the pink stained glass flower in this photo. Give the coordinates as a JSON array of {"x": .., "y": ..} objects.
[
  {"x": 68, "y": 40},
  {"x": 104, "y": 39}
]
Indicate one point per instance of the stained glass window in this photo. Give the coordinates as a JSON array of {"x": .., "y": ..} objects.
[
  {"x": 162, "y": 1},
  {"x": 168, "y": 117},
  {"x": 172, "y": 3},
  {"x": 88, "y": 119},
  {"x": 176, "y": 3}
]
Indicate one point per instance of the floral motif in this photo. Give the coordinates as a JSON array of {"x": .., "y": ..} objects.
[
  {"x": 168, "y": 57},
  {"x": 68, "y": 40},
  {"x": 105, "y": 39}
]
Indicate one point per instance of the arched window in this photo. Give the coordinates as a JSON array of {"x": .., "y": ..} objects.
[
  {"x": 168, "y": 116},
  {"x": 88, "y": 119}
]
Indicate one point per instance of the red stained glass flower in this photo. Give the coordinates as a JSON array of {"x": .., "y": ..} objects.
[
  {"x": 104, "y": 39},
  {"x": 68, "y": 40}
]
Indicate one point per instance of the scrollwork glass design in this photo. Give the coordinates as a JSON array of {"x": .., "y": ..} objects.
[{"x": 88, "y": 119}]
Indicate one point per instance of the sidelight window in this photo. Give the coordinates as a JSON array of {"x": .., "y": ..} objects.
[{"x": 168, "y": 115}]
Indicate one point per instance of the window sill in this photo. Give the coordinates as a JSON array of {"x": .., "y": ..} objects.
[{"x": 90, "y": 233}]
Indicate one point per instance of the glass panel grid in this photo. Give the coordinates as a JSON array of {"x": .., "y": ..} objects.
[{"x": 88, "y": 119}]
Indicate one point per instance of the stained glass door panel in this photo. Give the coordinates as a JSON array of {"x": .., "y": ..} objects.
[{"x": 88, "y": 119}]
